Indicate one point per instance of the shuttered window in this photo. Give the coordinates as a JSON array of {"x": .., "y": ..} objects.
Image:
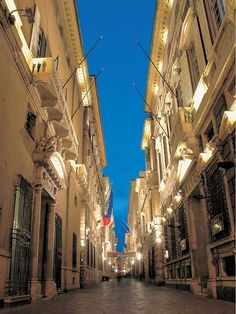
[{"x": 193, "y": 66}]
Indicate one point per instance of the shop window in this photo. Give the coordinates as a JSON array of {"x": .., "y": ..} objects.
[
  {"x": 219, "y": 110},
  {"x": 229, "y": 265},
  {"x": 74, "y": 250},
  {"x": 193, "y": 66},
  {"x": 188, "y": 271},
  {"x": 30, "y": 122}
]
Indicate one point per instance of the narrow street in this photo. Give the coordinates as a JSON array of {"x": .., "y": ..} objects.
[{"x": 128, "y": 296}]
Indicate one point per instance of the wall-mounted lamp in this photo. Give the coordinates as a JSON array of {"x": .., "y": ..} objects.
[{"x": 27, "y": 12}]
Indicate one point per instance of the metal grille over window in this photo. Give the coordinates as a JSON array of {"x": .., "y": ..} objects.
[
  {"x": 217, "y": 205},
  {"x": 58, "y": 251},
  {"x": 174, "y": 252},
  {"x": 20, "y": 239},
  {"x": 74, "y": 251},
  {"x": 30, "y": 122},
  {"x": 217, "y": 7},
  {"x": 183, "y": 232}
]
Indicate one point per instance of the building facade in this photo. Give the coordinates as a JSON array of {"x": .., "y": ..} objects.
[
  {"x": 52, "y": 152},
  {"x": 189, "y": 143}
]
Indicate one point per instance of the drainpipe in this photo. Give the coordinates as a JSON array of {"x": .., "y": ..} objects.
[{"x": 67, "y": 228}]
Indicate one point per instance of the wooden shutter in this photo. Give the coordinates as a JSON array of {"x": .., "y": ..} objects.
[
  {"x": 35, "y": 32},
  {"x": 186, "y": 85}
]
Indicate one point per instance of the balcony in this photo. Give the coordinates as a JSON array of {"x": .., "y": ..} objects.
[
  {"x": 47, "y": 81},
  {"x": 182, "y": 131}
]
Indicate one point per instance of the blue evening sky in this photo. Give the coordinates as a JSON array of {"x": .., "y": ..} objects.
[{"x": 120, "y": 22}]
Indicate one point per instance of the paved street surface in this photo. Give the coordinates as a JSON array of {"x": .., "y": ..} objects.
[{"x": 128, "y": 296}]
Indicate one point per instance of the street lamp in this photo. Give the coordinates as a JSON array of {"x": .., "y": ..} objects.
[{"x": 27, "y": 13}]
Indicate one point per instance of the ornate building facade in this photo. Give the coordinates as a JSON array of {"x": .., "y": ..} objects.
[
  {"x": 189, "y": 143},
  {"x": 52, "y": 153}
]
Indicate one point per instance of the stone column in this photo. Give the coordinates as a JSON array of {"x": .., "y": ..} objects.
[
  {"x": 35, "y": 284},
  {"x": 210, "y": 258},
  {"x": 50, "y": 288},
  {"x": 189, "y": 207}
]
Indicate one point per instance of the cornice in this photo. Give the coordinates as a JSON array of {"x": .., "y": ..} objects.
[
  {"x": 160, "y": 26},
  {"x": 69, "y": 15}
]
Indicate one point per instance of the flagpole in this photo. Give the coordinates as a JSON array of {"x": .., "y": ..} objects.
[
  {"x": 162, "y": 76},
  {"x": 83, "y": 59},
  {"x": 154, "y": 116}
]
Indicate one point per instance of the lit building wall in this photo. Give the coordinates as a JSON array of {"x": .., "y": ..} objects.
[
  {"x": 43, "y": 161},
  {"x": 193, "y": 49}
]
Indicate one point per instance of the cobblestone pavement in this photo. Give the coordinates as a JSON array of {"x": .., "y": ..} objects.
[{"x": 128, "y": 296}]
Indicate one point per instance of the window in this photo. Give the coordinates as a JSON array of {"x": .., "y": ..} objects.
[
  {"x": 215, "y": 12},
  {"x": 217, "y": 204},
  {"x": 200, "y": 143},
  {"x": 229, "y": 265},
  {"x": 74, "y": 250},
  {"x": 21, "y": 239},
  {"x": 147, "y": 154},
  {"x": 30, "y": 122},
  {"x": 193, "y": 66},
  {"x": 165, "y": 151},
  {"x": 209, "y": 132},
  {"x": 42, "y": 43},
  {"x": 160, "y": 166},
  {"x": 219, "y": 110},
  {"x": 75, "y": 201}
]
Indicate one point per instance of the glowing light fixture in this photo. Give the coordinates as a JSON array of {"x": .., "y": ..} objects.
[
  {"x": 169, "y": 210},
  {"x": 199, "y": 93},
  {"x": 80, "y": 75},
  {"x": 165, "y": 36},
  {"x": 178, "y": 197},
  {"x": 163, "y": 219},
  {"x": 158, "y": 240},
  {"x": 139, "y": 256},
  {"x": 132, "y": 262},
  {"x": 82, "y": 242},
  {"x": 109, "y": 263}
]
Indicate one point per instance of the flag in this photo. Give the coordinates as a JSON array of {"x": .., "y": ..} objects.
[{"x": 107, "y": 216}]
